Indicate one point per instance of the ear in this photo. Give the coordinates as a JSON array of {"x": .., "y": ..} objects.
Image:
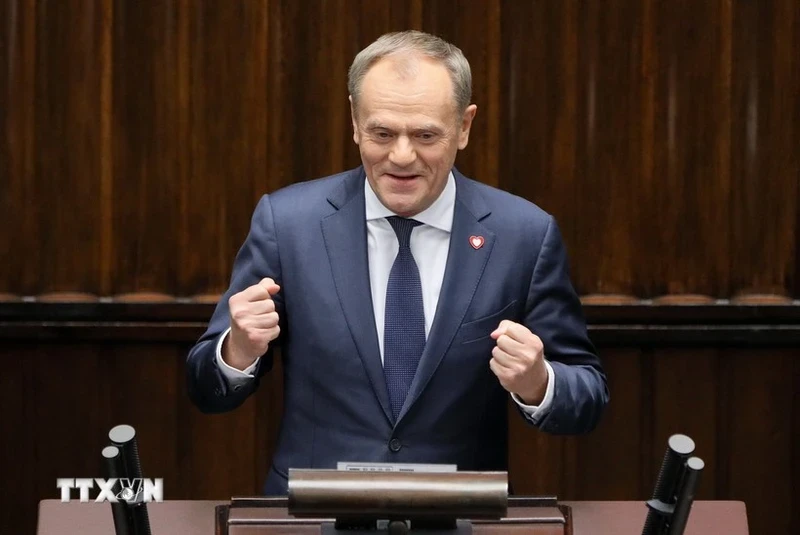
[
  {"x": 356, "y": 136},
  {"x": 466, "y": 124}
]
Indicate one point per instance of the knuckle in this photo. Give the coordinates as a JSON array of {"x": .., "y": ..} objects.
[{"x": 238, "y": 314}]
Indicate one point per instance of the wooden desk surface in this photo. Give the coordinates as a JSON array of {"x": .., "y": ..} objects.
[{"x": 197, "y": 518}]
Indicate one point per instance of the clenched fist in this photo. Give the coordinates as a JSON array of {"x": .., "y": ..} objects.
[
  {"x": 254, "y": 324},
  {"x": 518, "y": 362}
]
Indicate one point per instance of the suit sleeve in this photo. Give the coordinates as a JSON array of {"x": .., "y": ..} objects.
[
  {"x": 258, "y": 258},
  {"x": 553, "y": 312}
]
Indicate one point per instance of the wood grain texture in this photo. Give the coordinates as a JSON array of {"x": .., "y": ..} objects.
[
  {"x": 227, "y": 140},
  {"x": 17, "y": 98},
  {"x": 70, "y": 145},
  {"x": 477, "y": 31},
  {"x": 738, "y": 405},
  {"x": 144, "y": 199},
  {"x": 138, "y": 138},
  {"x": 762, "y": 451},
  {"x": 766, "y": 130}
]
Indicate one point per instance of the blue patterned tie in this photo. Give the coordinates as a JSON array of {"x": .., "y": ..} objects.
[{"x": 404, "y": 324}]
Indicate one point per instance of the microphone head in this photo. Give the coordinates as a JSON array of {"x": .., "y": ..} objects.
[
  {"x": 122, "y": 434},
  {"x": 681, "y": 444},
  {"x": 110, "y": 452},
  {"x": 695, "y": 463}
]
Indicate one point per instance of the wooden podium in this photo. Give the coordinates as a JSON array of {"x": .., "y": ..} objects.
[
  {"x": 198, "y": 517},
  {"x": 270, "y": 516}
]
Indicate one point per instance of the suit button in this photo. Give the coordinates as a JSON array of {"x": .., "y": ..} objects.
[{"x": 395, "y": 445}]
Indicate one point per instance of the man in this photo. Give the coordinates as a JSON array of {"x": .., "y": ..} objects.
[{"x": 409, "y": 301}]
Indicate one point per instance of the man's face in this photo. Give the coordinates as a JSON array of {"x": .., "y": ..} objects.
[{"x": 408, "y": 131}]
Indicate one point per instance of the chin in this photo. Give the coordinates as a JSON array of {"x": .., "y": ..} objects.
[{"x": 403, "y": 210}]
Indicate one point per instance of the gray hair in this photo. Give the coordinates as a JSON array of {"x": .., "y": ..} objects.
[{"x": 413, "y": 41}]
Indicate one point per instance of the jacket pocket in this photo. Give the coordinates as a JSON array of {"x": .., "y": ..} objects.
[{"x": 481, "y": 328}]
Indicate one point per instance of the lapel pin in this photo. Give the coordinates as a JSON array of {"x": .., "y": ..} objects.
[{"x": 476, "y": 242}]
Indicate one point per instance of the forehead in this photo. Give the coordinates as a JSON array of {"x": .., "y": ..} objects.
[{"x": 407, "y": 86}]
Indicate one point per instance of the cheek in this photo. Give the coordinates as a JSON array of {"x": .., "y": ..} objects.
[
  {"x": 372, "y": 153},
  {"x": 434, "y": 156}
]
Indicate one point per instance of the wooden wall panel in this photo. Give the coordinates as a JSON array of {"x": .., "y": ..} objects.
[
  {"x": 611, "y": 187},
  {"x": 766, "y": 132},
  {"x": 17, "y": 50},
  {"x": 581, "y": 86},
  {"x": 685, "y": 393},
  {"x": 316, "y": 135},
  {"x": 228, "y": 84},
  {"x": 692, "y": 55},
  {"x": 72, "y": 147},
  {"x": 137, "y": 138},
  {"x": 762, "y": 451},
  {"x": 740, "y": 406},
  {"x": 610, "y": 463},
  {"x": 18, "y": 489},
  {"x": 150, "y": 154},
  {"x": 477, "y": 31},
  {"x": 539, "y": 112}
]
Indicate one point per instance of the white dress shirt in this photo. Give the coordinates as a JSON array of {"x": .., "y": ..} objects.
[{"x": 429, "y": 246}]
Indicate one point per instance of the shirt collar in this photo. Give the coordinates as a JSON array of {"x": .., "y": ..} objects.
[{"x": 438, "y": 215}]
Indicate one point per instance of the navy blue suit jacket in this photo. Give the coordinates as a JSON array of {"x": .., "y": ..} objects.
[{"x": 311, "y": 238}]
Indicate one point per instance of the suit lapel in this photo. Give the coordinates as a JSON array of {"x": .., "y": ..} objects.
[
  {"x": 465, "y": 266},
  {"x": 345, "y": 235}
]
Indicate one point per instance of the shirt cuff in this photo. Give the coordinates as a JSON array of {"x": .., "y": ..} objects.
[
  {"x": 534, "y": 413},
  {"x": 234, "y": 376}
]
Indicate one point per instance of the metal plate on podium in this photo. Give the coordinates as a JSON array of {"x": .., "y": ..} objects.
[{"x": 270, "y": 516}]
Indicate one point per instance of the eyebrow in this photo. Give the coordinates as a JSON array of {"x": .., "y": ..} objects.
[{"x": 429, "y": 127}]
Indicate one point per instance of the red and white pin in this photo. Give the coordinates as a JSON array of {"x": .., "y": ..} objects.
[{"x": 476, "y": 242}]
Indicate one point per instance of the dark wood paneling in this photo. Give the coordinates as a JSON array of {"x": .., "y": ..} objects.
[
  {"x": 314, "y": 136},
  {"x": 476, "y": 30},
  {"x": 149, "y": 150},
  {"x": 737, "y": 405},
  {"x": 685, "y": 391},
  {"x": 228, "y": 51},
  {"x": 539, "y": 112},
  {"x": 137, "y": 138},
  {"x": 608, "y": 463},
  {"x": 762, "y": 451},
  {"x": 692, "y": 145},
  {"x": 72, "y": 147},
  {"x": 18, "y": 508},
  {"x": 766, "y": 132},
  {"x": 17, "y": 60}
]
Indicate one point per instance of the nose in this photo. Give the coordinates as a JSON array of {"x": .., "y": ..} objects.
[{"x": 402, "y": 153}]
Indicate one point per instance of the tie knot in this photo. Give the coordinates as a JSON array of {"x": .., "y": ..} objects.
[{"x": 403, "y": 227}]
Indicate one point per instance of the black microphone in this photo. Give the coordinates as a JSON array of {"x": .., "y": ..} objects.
[
  {"x": 123, "y": 522},
  {"x": 686, "y": 494},
  {"x": 124, "y": 438},
  {"x": 661, "y": 506}
]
